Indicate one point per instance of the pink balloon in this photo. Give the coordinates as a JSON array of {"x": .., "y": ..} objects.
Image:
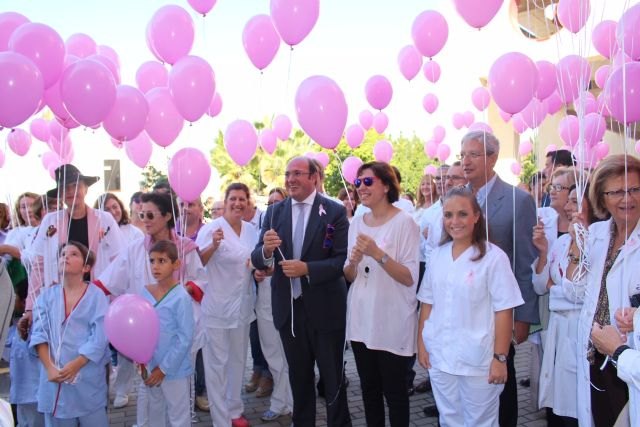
[
  {"x": 113, "y": 68},
  {"x": 513, "y": 80},
  {"x": 151, "y": 74},
  {"x": 241, "y": 141},
  {"x": 409, "y": 62},
  {"x": 216, "y": 105},
  {"x": 19, "y": 141},
  {"x": 43, "y": 46},
  {"x": 518, "y": 123},
  {"x": 619, "y": 59},
  {"x": 602, "y": 74},
  {"x": 383, "y": 151},
  {"x": 458, "y": 120},
  {"x": 81, "y": 45},
  {"x": 430, "y": 170},
  {"x": 128, "y": 116},
  {"x": 261, "y": 41},
  {"x": 116, "y": 143},
  {"x": 40, "y": 129},
  {"x": 62, "y": 148},
  {"x": 480, "y": 98},
  {"x": 525, "y": 148},
  {"x": 202, "y": 6},
  {"x": 88, "y": 91},
  {"x": 139, "y": 149},
  {"x": 554, "y": 103},
  {"x": 602, "y": 105},
  {"x": 480, "y": 126},
  {"x": 49, "y": 158},
  {"x": 438, "y": 134},
  {"x": 627, "y": 32},
  {"x": 443, "y": 153},
  {"x": 53, "y": 97},
  {"x": 294, "y": 19},
  {"x": 282, "y": 127},
  {"x": 350, "y": 168},
  {"x": 366, "y": 119},
  {"x": 164, "y": 122},
  {"x": 21, "y": 88},
  {"x": 354, "y": 136},
  {"x": 379, "y": 92},
  {"x": 516, "y": 168},
  {"x": 546, "y": 79},
  {"x": 569, "y": 130},
  {"x": 9, "y": 21},
  {"x": 622, "y": 93},
  {"x": 192, "y": 85},
  {"x": 573, "y": 14},
  {"x": 109, "y": 53},
  {"x": 477, "y": 13},
  {"x": 603, "y": 38},
  {"x": 574, "y": 75},
  {"x": 132, "y": 326},
  {"x": 430, "y": 32},
  {"x": 268, "y": 140},
  {"x": 431, "y": 148},
  {"x": 430, "y": 103},
  {"x": 468, "y": 118},
  {"x": 586, "y": 103},
  {"x": 380, "y": 122},
  {"x": 504, "y": 116},
  {"x": 323, "y": 158},
  {"x": 601, "y": 150},
  {"x": 189, "y": 173},
  {"x": 57, "y": 131},
  {"x": 431, "y": 71},
  {"x": 322, "y": 110},
  {"x": 170, "y": 33},
  {"x": 534, "y": 113}
]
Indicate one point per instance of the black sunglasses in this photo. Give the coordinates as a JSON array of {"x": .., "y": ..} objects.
[
  {"x": 150, "y": 215},
  {"x": 328, "y": 237},
  {"x": 367, "y": 181}
]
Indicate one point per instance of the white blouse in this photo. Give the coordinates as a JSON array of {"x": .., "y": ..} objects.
[
  {"x": 460, "y": 331},
  {"x": 381, "y": 313}
]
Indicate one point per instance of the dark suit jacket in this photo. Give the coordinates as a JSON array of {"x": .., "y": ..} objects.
[
  {"x": 324, "y": 291},
  {"x": 512, "y": 215}
]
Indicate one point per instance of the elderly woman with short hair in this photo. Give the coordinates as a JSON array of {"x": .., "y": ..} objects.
[{"x": 607, "y": 266}]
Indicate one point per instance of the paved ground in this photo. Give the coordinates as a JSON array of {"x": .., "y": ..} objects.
[{"x": 126, "y": 417}]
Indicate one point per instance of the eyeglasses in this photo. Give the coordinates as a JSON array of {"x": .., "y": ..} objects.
[
  {"x": 149, "y": 214},
  {"x": 558, "y": 187},
  {"x": 455, "y": 178},
  {"x": 367, "y": 181},
  {"x": 472, "y": 155},
  {"x": 217, "y": 209},
  {"x": 619, "y": 194},
  {"x": 328, "y": 237},
  {"x": 295, "y": 174}
]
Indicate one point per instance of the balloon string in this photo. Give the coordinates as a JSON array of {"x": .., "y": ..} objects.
[
  {"x": 344, "y": 183},
  {"x": 286, "y": 88}
]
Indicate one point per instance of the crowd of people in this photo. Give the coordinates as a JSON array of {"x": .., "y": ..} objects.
[{"x": 453, "y": 282}]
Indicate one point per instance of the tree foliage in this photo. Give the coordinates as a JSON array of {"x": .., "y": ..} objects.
[{"x": 150, "y": 176}]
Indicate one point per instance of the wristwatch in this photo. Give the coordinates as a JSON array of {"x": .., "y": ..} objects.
[
  {"x": 618, "y": 352},
  {"x": 384, "y": 259},
  {"x": 502, "y": 358}
]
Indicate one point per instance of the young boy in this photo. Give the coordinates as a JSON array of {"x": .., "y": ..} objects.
[
  {"x": 68, "y": 334},
  {"x": 167, "y": 384}
]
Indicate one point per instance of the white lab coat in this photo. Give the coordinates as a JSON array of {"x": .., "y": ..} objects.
[
  {"x": 622, "y": 282},
  {"x": 629, "y": 370}
]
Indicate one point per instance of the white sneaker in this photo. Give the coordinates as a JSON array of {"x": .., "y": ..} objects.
[{"x": 120, "y": 401}]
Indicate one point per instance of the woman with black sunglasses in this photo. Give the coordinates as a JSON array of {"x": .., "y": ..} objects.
[
  {"x": 131, "y": 271},
  {"x": 383, "y": 268}
]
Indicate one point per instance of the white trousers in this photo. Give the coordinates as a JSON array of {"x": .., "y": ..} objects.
[
  {"x": 281, "y": 398},
  {"x": 225, "y": 355},
  {"x": 168, "y": 405},
  {"x": 465, "y": 400},
  {"x": 123, "y": 383}
]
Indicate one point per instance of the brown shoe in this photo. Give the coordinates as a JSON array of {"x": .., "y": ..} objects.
[
  {"x": 253, "y": 383},
  {"x": 265, "y": 388}
]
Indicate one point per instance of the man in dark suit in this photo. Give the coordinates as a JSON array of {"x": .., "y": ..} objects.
[
  {"x": 304, "y": 239},
  {"x": 510, "y": 214}
]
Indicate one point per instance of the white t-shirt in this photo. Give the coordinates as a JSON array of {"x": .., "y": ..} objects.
[
  {"x": 460, "y": 332},
  {"x": 381, "y": 313},
  {"x": 230, "y": 297}
]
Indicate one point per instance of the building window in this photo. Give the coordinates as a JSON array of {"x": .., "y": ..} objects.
[{"x": 112, "y": 175}]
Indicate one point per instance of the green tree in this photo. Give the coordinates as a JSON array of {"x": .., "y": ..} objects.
[
  {"x": 529, "y": 168},
  {"x": 151, "y": 175}
]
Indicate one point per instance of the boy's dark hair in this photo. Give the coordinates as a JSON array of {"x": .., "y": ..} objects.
[
  {"x": 167, "y": 248},
  {"x": 87, "y": 254},
  {"x": 561, "y": 158}
]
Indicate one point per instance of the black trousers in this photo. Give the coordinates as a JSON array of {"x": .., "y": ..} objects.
[
  {"x": 310, "y": 346},
  {"x": 613, "y": 393},
  {"x": 382, "y": 375},
  {"x": 508, "y": 415}
]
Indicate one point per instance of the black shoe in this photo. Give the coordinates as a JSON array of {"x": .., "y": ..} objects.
[
  {"x": 411, "y": 391},
  {"x": 431, "y": 411},
  {"x": 423, "y": 387},
  {"x": 525, "y": 382}
]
